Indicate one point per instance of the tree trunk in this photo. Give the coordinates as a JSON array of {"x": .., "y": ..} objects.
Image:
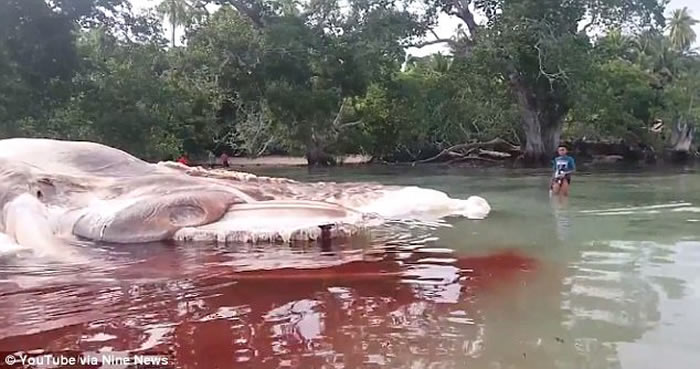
[
  {"x": 681, "y": 141},
  {"x": 542, "y": 123},
  {"x": 316, "y": 155},
  {"x": 541, "y": 137},
  {"x": 682, "y": 136}
]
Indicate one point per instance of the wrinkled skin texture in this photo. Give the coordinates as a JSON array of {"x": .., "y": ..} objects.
[{"x": 68, "y": 189}]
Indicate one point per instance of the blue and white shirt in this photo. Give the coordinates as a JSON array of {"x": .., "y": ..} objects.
[{"x": 563, "y": 164}]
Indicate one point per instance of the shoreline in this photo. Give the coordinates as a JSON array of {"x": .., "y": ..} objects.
[
  {"x": 589, "y": 153},
  {"x": 280, "y": 161}
]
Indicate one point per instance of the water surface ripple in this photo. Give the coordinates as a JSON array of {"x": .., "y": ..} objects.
[{"x": 609, "y": 278}]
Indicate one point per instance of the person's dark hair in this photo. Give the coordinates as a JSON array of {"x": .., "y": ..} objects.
[{"x": 562, "y": 145}]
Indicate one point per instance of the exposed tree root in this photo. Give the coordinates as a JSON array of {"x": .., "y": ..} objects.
[
  {"x": 475, "y": 158},
  {"x": 497, "y": 148}
]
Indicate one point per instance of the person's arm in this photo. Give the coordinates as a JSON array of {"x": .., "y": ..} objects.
[{"x": 572, "y": 164}]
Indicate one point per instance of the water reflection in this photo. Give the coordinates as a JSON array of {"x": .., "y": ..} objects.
[
  {"x": 538, "y": 285},
  {"x": 391, "y": 306},
  {"x": 562, "y": 218},
  {"x": 414, "y": 305}
]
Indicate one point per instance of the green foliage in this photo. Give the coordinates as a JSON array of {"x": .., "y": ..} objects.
[
  {"x": 639, "y": 79},
  {"x": 37, "y": 57},
  {"x": 680, "y": 27},
  {"x": 541, "y": 49},
  {"x": 434, "y": 104},
  {"x": 619, "y": 101},
  {"x": 152, "y": 111},
  {"x": 328, "y": 77}
]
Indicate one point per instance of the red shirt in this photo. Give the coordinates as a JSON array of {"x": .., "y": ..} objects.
[{"x": 183, "y": 160}]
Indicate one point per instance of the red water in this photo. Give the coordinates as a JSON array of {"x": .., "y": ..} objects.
[{"x": 208, "y": 308}]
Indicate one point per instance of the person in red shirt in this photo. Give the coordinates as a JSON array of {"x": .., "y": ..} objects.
[{"x": 183, "y": 159}]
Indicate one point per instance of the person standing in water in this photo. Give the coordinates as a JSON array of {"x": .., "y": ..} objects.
[
  {"x": 184, "y": 159},
  {"x": 563, "y": 166},
  {"x": 224, "y": 160}
]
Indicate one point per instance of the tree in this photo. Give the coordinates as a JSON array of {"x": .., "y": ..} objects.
[
  {"x": 177, "y": 12},
  {"x": 38, "y": 57},
  {"x": 542, "y": 50},
  {"x": 232, "y": 49},
  {"x": 326, "y": 77},
  {"x": 437, "y": 102},
  {"x": 617, "y": 45},
  {"x": 620, "y": 102},
  {"x": 153, "y": 111},
  {"x": 681, "y": 110},
  {"x": 680, "y": 27},
  {"x": 675, "y": 76},
  {"x": 317, "y": 57}
]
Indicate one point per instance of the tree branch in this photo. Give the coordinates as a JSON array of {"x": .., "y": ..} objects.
[
  {"x": 264, "y": 148},
  {"x": 476, "y": 158},
  {"x": 434, "y": 42},
  {"x": 467, "y": 16},
  {"x": 589, "y": 24},
  {"x": 349, "y": 124},
  {"x": 249, "y": 10},
  {"x": 496, "y": 141},
  {"x": 337, "y": 126},
  {"x": 551, "y": 77},
  {"x": 336, "y": 121}
]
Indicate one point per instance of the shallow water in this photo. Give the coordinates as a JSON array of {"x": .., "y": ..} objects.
[{"x": 609, "y": 278}]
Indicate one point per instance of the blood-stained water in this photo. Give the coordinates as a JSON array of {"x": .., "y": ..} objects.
[
  {"x": 607, "y": 278},
  {"x": 379, "y": 306}
]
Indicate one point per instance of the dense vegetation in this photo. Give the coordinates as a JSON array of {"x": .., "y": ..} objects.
[{"x": 324, "y": 77}]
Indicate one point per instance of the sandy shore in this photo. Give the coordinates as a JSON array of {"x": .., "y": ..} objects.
[{"x": 283, "y": 161}]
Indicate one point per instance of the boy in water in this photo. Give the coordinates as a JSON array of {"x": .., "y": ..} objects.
[{"x": 563, "y": 166}]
